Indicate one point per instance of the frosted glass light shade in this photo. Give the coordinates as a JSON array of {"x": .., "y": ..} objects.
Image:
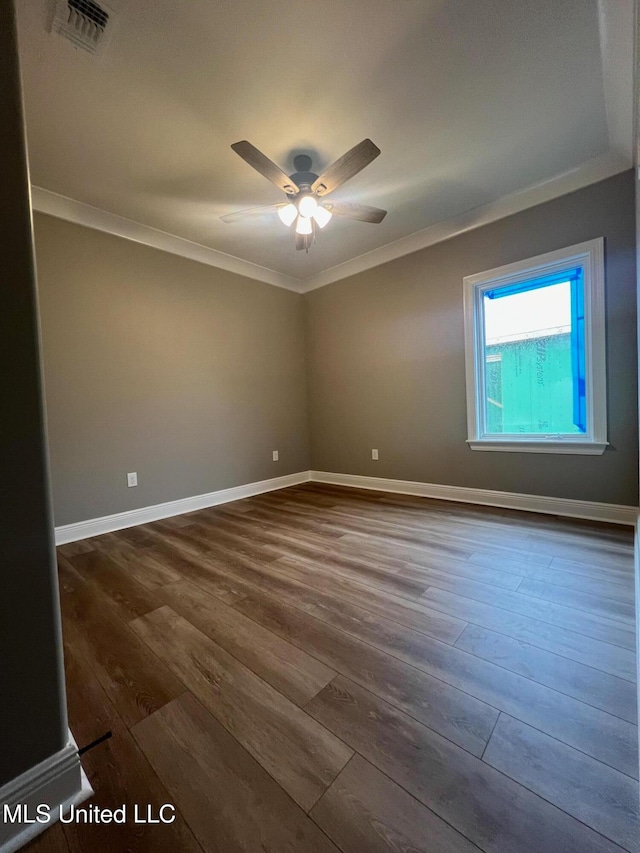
[
  {"x": 307, "y": 205},
  {"x": 287, "y": 213},
  {"x": 322, "y": 215},
  {"x": 303, "y": 225}
]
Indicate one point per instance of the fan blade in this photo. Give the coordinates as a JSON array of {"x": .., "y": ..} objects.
[
  {"x": 300, "y": 241},
  {"x": 346, "y": 167},
  {"x": 251, "y": 212},
  {"x": 361, "y": 212},
  {"x": 266, "y": 167}
]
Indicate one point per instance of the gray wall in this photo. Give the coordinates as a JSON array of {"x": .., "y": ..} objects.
[
  {"x": 187, "y": 374},
  {"x": 636, "y": 92},
  {"x": 191, "y": 376},
  {"x": 386, "y": 358},
  {"x": 32, "y": 715}
]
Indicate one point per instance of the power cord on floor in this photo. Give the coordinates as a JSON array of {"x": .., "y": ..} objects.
[{"x": 99, "y": 740}]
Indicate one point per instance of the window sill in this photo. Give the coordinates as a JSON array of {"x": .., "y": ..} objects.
[{"x": 591, "y": 448}]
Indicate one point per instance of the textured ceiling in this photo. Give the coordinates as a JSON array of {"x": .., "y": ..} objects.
[{"x": 469, "y": 100}]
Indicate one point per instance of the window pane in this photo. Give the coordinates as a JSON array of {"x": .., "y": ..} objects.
[{"x": 534, "y": 359}]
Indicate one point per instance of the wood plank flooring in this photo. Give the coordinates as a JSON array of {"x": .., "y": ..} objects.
[{"x": 323, "y": 669}]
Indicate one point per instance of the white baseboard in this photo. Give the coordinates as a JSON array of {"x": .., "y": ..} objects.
[
  {"x": 613, "y": 513},
  {"x": 57, "y": 782},
  {"x": 109, "y": 523}
]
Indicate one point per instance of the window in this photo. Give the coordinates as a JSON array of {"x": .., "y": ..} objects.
[{"x": 535, "y": 354}]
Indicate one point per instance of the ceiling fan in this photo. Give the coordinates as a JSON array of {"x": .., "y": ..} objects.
[{"x": 306, "y": 191}]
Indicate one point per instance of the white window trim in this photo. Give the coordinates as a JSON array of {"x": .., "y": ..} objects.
[{"x": 590, "y": 255}]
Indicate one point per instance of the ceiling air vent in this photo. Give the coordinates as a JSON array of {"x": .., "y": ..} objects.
[{"x": 83, "y": 22}]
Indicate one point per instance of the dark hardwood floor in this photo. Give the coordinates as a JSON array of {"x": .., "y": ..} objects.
[{"x": 325, "y": 669}]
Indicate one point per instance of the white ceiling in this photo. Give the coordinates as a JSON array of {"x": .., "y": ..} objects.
[{"x": 470, "y": 101}]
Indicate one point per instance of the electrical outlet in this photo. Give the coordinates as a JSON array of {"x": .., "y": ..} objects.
[
  {"x": 374, "y": 453},
  {"x": 132, "y": 479},
  {"x": 275, "y": 456}
]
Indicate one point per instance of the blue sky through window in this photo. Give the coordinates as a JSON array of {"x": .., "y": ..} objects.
[{"x": 534, "y": 313}]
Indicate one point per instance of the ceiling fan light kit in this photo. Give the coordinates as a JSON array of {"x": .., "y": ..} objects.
[
  {"x": 288, "y": 213},
  {"x": 304, "y": 225},
  {"x": 307, "y": 205},
  {"x": 304, "y": 187},
  {"x": 322, "y": 216}
]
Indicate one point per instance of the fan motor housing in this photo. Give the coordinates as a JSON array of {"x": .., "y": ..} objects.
[{"x": 304, "y": 180}]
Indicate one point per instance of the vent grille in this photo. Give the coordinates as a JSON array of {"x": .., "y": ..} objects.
[
  {"x": 91, "y": 12},
  {"x": 83, "y": 22}
]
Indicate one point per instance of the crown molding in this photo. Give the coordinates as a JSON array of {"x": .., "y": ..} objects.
[
  {"x": 590, "y": 172},
  {"x": 63, "y": 207}
]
